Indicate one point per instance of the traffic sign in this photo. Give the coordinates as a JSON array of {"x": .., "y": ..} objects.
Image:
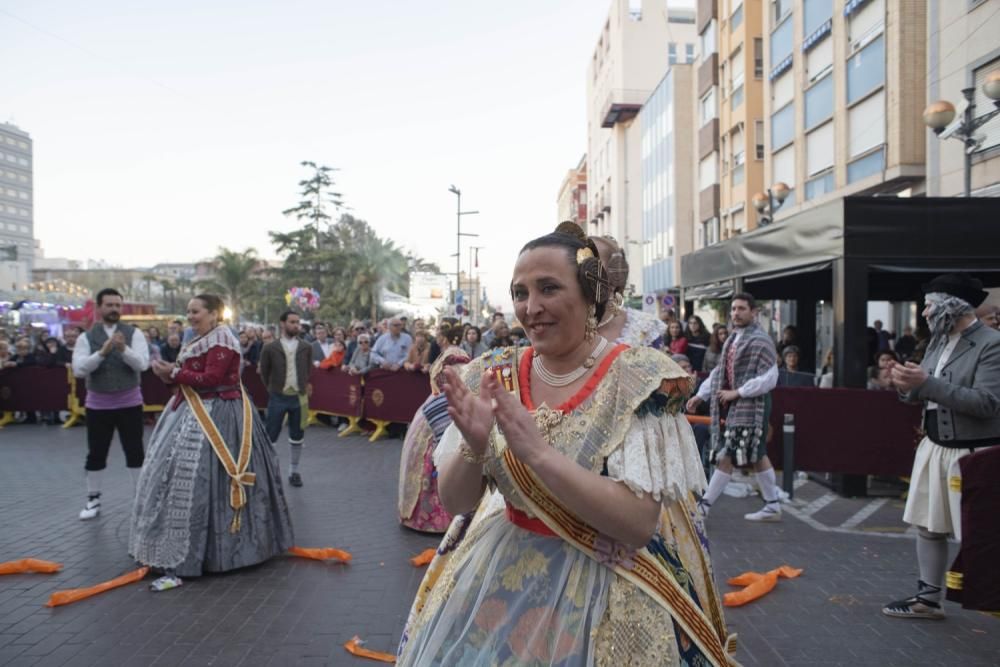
[{"x": 668, "y": 300}]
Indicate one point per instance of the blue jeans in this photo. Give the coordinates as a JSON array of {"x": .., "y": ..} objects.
[{"x": 279, "y": 405}]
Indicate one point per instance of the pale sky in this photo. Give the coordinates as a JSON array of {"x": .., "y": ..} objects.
[{"x": 164, "y": 130}]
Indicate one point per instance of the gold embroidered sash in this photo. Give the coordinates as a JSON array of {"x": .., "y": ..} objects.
[
  {"x": 237, "y": 470},
  {"x": 644, "y": 570}
]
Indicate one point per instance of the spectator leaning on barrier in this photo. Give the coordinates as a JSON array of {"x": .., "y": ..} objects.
[
  {"x": 416, "y": 359},
  {"x": 171, "y": 348},
  {"x": 880, "y": 375},
  {"x": 674, "y": 340},
  {"x": 285, "y": 366},
  {"x": 323, "y": 344},
  {"x": 111, "y": 356},
  {"x": 361, "y": 360},
  {"x": 70, "y": 336},
  {"x": 6, "y": 358},
  {"x": 959, "y": 384},
  {"x": 23, "y": 355},
  {"x": 906, "y": 344},
  {"x": 472, "y": 343},
  {"x": 391, "y": 349}
]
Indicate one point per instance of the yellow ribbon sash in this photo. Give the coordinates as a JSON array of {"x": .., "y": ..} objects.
[
  {"x": 237, "y": 470},
  {"x": 646, "y": 572}
]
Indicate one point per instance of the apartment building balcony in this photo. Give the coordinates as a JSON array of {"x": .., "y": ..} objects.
[{"x": 622, "y": 104}]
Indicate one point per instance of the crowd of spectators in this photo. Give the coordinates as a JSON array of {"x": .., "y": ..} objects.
[{"x": 404, "y": 344}]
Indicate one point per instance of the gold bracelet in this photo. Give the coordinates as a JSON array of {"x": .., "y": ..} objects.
[{"x": 470, "y": 456}]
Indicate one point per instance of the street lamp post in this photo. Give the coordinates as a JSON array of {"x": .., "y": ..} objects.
[
  {"x": 458, "y": 238},
  {"x": 768, "y": 202},
  {"x": 940, "y": 117}
]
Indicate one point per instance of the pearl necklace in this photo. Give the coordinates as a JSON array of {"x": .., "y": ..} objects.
[{"x": 564, "y": 379}]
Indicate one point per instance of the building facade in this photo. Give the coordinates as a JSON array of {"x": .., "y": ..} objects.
[
  {"x": 571, "y": 203},
  {"x": 846, "y": 81},
  {"x": 638, "y": 42},
  {"x": 667, "y": 128},
  {"x": 962, "y": 49},
  {"x": 17, "y": 228}
]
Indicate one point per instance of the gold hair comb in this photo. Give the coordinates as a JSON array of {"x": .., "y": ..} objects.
[{"x": 583, "y": 254}]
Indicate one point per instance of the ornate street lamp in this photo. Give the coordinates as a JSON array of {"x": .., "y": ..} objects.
[
  {"x": 768, "y": 202},
  {"x": 940, "y": 117}
]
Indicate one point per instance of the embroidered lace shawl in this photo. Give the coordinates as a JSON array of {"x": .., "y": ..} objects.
[
  {"x": 641, "y": 329},
  {"x": 627, "y": 422},
  {"x": 220, "y": 336}
]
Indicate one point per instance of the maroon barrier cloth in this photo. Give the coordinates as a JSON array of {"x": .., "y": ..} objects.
[
  {"x": 977, "y": 559},
  {"x": 154, "y": 390},
  {"x": 394, "y": 396},
  {"x": 34, "y": 389},
  {"x": 336, "y": 392},
  {"x": 846, "y": 431},
  {"x": 254, "y": 386}
]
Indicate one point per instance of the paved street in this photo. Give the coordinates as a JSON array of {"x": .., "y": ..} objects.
[{"x": 856, "y": 555}]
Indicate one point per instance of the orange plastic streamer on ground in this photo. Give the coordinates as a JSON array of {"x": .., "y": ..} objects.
[
  {"x": 29, "y": 565},
  {"x": 354, "y": 646},
  {"x": 60, "y": 598},
  {"x": 321, "y": 553},
  {"x": 756, "y": 585},
  {"x": 699, "y": 419},
  {"x": 423, "y": 558}
]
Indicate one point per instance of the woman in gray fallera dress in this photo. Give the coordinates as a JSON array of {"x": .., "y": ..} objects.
[{"x": 191, "y": 515}]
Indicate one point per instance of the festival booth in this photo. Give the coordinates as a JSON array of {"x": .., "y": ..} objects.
[{"x": 848, "y": 252}]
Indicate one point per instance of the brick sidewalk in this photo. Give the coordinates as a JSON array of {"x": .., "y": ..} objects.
[{"x": 291, "y": 611}]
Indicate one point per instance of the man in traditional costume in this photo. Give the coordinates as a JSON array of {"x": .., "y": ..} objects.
[
  {"x": 285, "y": 365},
  {"x": 738, "y": 392},
  {"x": 959, "y": 383},
  {"x": 111, "y": 356}
]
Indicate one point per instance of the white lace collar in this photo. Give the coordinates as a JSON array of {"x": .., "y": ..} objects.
[
  {"x": 641, "y": 329},
  {"x": 220, "y": 336}
]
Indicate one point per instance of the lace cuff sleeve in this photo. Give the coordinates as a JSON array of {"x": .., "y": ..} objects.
[{"x": 658, "y": 456}]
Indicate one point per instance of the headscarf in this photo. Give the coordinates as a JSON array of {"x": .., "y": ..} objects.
[{"x": 945, "y": 310}]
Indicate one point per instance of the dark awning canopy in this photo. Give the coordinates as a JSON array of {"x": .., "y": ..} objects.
[{"x": 887, "y": 235}]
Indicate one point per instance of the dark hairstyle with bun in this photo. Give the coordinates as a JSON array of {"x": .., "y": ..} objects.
[
  {"x": 212, "y": 302},
  {"x": 614, "y": 261},
  {"x": 591, "y": 274},
  {"x": 452, "y": 331}
]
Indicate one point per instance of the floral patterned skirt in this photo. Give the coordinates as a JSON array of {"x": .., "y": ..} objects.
[
  {"x": 420, "y": 507},
  {"x": 512, "y": 597}
]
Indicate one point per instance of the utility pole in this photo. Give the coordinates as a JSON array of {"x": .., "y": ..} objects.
[
  {"x": 474, "y": 297},
  {"x": 458, "y": 240}
]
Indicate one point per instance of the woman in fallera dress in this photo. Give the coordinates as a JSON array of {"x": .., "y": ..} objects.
[
  {"x": 420, "y": 507},
  {"x": 586, "y": 565},
  {"x": 209, "y": 497}
]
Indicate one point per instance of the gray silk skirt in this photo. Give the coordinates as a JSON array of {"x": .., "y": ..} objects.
[{"x": 181, "y": 517}]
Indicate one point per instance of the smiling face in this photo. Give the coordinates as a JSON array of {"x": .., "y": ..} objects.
[
  {"x": 201, "y": 319},
  {"x": 548, "y": 300}
]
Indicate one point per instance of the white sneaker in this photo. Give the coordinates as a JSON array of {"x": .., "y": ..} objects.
[
  {"x": 91, "y": 509},
  {"x": 771, "y": 512}
]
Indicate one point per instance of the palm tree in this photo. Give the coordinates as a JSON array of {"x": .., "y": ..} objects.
[
  {"x": 234, "y": 278},
  {"x": 378, "y": 264}
]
